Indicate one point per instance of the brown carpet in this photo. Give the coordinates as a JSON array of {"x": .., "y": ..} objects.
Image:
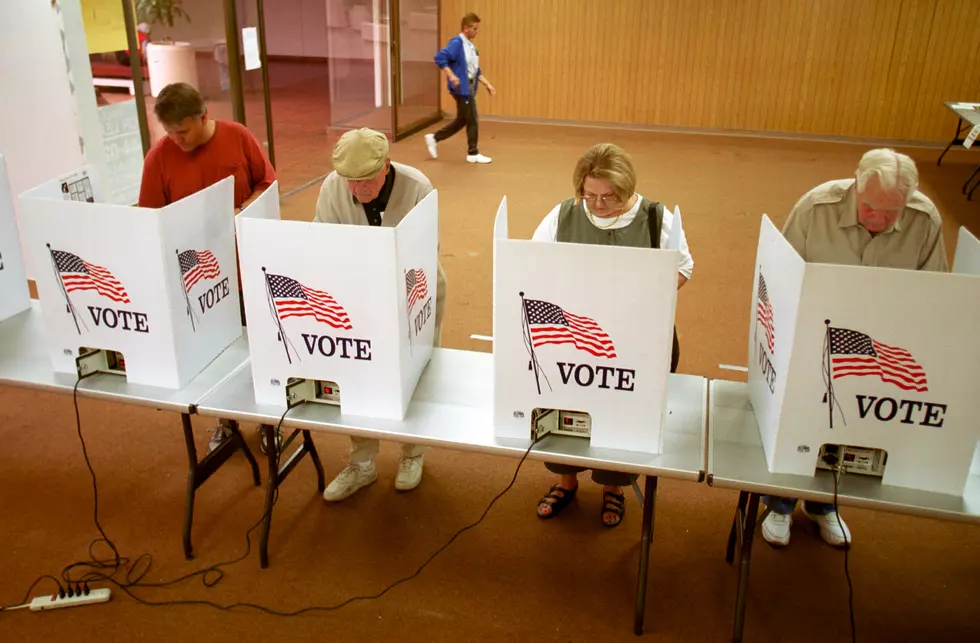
[{"x": 514, "y": 577}]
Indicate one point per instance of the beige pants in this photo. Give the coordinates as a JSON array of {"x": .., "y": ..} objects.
[{"x": 363, "y": 450}]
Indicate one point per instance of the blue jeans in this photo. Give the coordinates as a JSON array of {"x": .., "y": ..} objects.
[{"x": 782, "y": 505}]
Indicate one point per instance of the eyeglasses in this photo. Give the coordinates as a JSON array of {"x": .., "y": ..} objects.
[{"x": 604, "y": 199}]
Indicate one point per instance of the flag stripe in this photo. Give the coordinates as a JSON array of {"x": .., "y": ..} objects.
[
  {"x": 763, "y": 313},
  {"x": 293, "y": 299},
  {"x": 859, "y": 354},
  {"x": 550, "y": 324},
  {"x": 78, "y": 274}
]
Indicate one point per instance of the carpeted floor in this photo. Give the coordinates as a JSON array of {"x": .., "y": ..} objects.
[{"x": 514, "y": 577}]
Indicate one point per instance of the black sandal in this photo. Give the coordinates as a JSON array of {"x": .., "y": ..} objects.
[
  {"x": 613, "y": 503},
  {"x": 560, "y": 502}
]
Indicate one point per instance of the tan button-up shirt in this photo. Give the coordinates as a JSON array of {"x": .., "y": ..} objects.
[
  {"x": 824, "y": 228},
  {"x": 336, "y": 204}
]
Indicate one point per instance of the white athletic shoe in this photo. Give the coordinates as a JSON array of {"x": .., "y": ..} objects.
[
  {"x": 477, "y": 158},
  {"x": 349, "y": 481},
  {"x": 409, "y": 473},
  {"x": 776, "y": 528},
  {"x": 433, "y": 145},
  {"x": 832, "y": 528}
]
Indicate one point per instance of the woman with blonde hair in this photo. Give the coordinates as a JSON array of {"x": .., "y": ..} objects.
[{"x": 607, "y": 210}]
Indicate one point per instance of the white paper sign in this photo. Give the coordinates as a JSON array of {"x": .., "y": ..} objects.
[
  {"x": 123, "y": 151},
  {"x": 250, "y": 45},
  {"x": 565, "y": 340},
  {"x": 971, "y": 137},
  {"x": 353, "y": 305},
  {"x": 877, "y": 358},
  {"x": 14, "y": 295},
  {"x": 159, "y": 286}
]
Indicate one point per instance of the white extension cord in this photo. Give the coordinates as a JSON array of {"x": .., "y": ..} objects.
[{"x": 52, "y": 602}]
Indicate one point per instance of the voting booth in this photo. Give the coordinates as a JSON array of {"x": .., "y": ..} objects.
[
  {"x": 338, "y": 314},
  {"x": 874, "y": 368},
  {"x": 582, "y": 340},
  {"x": 149, "y": 293},
  {"x": 14, "y": 295}
]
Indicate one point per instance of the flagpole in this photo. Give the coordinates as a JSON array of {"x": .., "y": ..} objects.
[
  {"x": 183, "y": 287},
  {"x": 408, "y": 314},
  {"x": 530, "y": 341},
  {"x": 275, "y": 313},
  {"x": 64, "y": 291},
  {"x": 830, "y": 376}
]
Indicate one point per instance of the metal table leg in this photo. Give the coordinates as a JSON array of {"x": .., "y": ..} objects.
[
  {"x": 743, "y": 499},
  {"x": 956, "y": 139},
  {"x": 199, "y": 472},
  {"x": 278, "y": 474},
  {"x": 746, "y": 535},
  {"x": 966, "y": 184},
  {"x": 646, "y": 541}
]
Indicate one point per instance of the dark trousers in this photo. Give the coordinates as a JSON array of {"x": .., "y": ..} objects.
[
  {"x": 465, "y": 115},
  {"x": 615, "y": 478}
]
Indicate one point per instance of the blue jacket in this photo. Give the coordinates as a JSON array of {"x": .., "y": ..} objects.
[{"x": 454, "y": 57}]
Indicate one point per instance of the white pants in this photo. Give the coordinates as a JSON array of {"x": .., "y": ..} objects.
[{"x": 363, "y": 450}]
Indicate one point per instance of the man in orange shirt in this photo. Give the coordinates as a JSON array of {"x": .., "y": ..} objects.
[{"x": 199, "y": 151}]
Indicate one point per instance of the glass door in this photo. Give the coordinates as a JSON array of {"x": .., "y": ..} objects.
[
  {"x": 415, "y": 77},
  {"x": 252, "y": 93},
  {"x": 359, "y": 62}
]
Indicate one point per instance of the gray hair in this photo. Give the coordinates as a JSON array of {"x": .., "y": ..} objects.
[{"x": 894, "y": 171}]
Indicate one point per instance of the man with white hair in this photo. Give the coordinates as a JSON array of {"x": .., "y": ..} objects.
[
  {"x": 880, "y": 219},
  {"x": 368, "y": 188}
]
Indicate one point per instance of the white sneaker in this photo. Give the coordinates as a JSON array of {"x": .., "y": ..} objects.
[
  {"x": 433, "y": 145},
  {"x": 776, "y": 528},
  {"x": 349, "y": 481},
  {"x": 832, "y": 528},
  {"x": 221, "y": 434},
  {"x": 477, "y": 158},
  {"x": 409, "y": 473}
]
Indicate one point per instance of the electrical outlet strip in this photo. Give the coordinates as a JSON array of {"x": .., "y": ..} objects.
[{"x": 42, "y": 603}]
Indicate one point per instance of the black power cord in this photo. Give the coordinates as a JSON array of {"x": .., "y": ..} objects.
[
  {"x": 212, "y": 574},
  {"x": 106, "y": 569},
  {"x": 847, "y": 546},
  {"x": 353, "y": 599}
]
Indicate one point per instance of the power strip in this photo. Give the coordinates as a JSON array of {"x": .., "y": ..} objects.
[{"x": 52, "y": 602}]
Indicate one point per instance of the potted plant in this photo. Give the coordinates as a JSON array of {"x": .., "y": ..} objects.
[{"x": 168, "y": 61}]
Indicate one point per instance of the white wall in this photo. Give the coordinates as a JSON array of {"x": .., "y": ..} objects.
[{"x": 38, "y": 132}]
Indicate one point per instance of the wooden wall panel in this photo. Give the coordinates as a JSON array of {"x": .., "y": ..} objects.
[{"x": 857, "y": 68}]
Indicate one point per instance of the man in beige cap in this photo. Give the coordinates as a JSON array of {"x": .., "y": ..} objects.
[{"x": 368, "y": 188}]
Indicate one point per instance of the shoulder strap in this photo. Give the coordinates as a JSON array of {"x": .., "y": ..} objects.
[{"x": 655, "y": 216}]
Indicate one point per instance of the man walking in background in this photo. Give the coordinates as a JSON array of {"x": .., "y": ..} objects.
[{"x": 461, "y": 62}]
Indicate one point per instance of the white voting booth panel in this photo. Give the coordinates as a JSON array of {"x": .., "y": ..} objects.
[
  {"x": 158, "y": 286},
  {"x": 14, "y": 295},
  {"x": 866, "y": 357},
  {"x": 353, "y": 305},
  {"x": 571, "y": 333},
  {"x": 967, "y": 262}
]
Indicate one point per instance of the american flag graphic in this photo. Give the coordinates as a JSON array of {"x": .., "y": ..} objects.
[
  {"x": 293, "y": 299},
  {"x": 416, "y": 287},
  {"x": 763, "y": 313},
  {"x": 855, "y": 353},
  {"x": 195, "y": 266},
  {"x": 78, "y": 274},
  {"x": 549, "y": 324}
]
